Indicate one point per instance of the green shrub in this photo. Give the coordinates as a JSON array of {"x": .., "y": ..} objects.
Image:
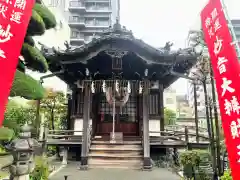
[
  {"x": 227, "y": 175},
  {"x": 27, "y": 87},
  {"x": 41, "y": 170},
  {"x": 21, "y": 66},
  {"x": 6, "y": 134},
  {"x": 29, "y": 40},
  {"x": 34, "y": 59},
  {"x": 36, "y": 25},
  {"x": 191, "y": 162},
  {"x": 47, "y": 16}
]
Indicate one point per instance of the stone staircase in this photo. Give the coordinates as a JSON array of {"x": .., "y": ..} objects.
[{"x": 124, "y": 155}]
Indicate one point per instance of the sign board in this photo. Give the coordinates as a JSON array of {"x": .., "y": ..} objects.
[
  {"x": 14, "y": 19},
  {"x": 226, "y": 70}
]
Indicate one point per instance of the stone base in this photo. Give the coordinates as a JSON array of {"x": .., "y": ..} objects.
[
  {"x": 84, "y": 163},
  {"x": 118, "y": 136},
  {"x": 147, "y": 164}
]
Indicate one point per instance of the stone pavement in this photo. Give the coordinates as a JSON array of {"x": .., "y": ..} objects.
[{"x": 116, "y": 174}]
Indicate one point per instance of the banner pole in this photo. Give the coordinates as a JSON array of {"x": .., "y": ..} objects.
[{"x": 230, "y": 25}]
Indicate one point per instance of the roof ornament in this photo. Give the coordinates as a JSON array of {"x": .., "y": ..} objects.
[
  {"x": 117, "y": 26},
  {"x": 66, "y": 44},
  {"x": 168, "y": 46}
]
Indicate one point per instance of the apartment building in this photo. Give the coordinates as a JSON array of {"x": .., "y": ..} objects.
[
  {"x": 55, "y": 37},
  {"x": 170, "y": 99},
  {"x": 87, "y": 18},
  {"x": 183, "y": 108}
]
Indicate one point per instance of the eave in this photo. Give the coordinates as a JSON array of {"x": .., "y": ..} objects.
[{"x": 121, "y": 40}]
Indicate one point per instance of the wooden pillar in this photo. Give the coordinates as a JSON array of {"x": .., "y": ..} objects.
[
  {"x": 73, "y": 103},
  {"x": 69, "y": 112},
  {"x": 161, "y": 107},
  {"x": 86, "y": 117},
  {"x": 146, "y": 144}
]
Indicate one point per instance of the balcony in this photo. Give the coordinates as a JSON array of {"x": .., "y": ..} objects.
[
  {"x": 77, "y": 6},
  {"x": 98, "y": 9},
  {"x": 77, "y": 38},
  {"x": 76, "y": 22},
  {"x": 97, "y": 24}
]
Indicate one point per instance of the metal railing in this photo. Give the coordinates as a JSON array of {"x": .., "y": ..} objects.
[
  {"x": 78, "y": 36},
  {"x": 73, "y": 19},
  {"x": 76, "y": 4}
]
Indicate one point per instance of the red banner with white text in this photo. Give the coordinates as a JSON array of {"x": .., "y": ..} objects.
[
  {"x": 14, "y": 19},
  {"x": 226, "y": 73}
]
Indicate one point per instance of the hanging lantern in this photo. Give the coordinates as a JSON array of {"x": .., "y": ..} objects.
[
  {"x": 104, "y": 87},
  {"x": 140, "y": 88},
  {"x": 129, "y": 88},
  {"x": 117, "y": 86},
  {"x": 92, "y": 87}
]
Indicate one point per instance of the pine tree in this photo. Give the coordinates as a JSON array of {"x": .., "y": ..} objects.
[{"x": 24, "y": 85}]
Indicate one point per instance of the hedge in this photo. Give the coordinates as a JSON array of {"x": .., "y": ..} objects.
[
  {"x": 29, "y": 40},
  {"x": 6, "y": 134},
  {"x": 27, "y": 87},
  {"x": 34, "y": 59},
  {"x": 47, "y": 16},
  {"x": 21, "y": 66},
  {"x": 36, "y": 25}
]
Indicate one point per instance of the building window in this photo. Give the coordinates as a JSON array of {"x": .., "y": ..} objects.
[
  {"x": 75, "y": 34},
  {"x": 75, "y": 19},
  {"x": 53, "y": 3}
]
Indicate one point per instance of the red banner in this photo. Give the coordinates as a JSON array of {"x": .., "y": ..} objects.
[
  {"x": 14, "y": 19},
  {"x": 226, "y": 73}
]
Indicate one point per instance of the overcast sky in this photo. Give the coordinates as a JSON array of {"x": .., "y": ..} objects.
[{"x": 159, "y": 21}]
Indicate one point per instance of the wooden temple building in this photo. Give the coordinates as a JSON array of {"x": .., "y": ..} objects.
[{"x": 117, "y": 84}]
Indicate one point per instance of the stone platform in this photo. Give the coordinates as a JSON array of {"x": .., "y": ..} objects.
[{"x": 74, "y": 173}]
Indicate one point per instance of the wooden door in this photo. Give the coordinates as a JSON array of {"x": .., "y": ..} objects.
[{"x": 126, "y": 119}]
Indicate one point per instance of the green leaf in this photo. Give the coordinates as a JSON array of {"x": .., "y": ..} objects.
[
  {"x": 21, "y": 66},
  {"x": 27, "y": 87},
  {"x": 36, "y": 25},
  {"x": 6, "y": 134},
  {"x": 47, "y": 16},
  {"x": 34, "y": 59},
  {"x": 29, "y": 40}
]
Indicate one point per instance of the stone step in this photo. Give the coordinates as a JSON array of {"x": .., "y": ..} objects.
[
  {"x": 119, "y": 156},
  {"x": 113, "y": 153},
  {"x": 115, "y": 148},
  {"x": 100, "y": 166},
  {"x": 117, "y": 143},
  {"x": 118, "y": 146},
  {"x": 107, "y": 162},
  {"x": 125, "y": 138}
]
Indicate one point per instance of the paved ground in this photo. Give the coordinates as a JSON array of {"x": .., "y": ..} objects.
[{"x": 116, "y": 174}]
